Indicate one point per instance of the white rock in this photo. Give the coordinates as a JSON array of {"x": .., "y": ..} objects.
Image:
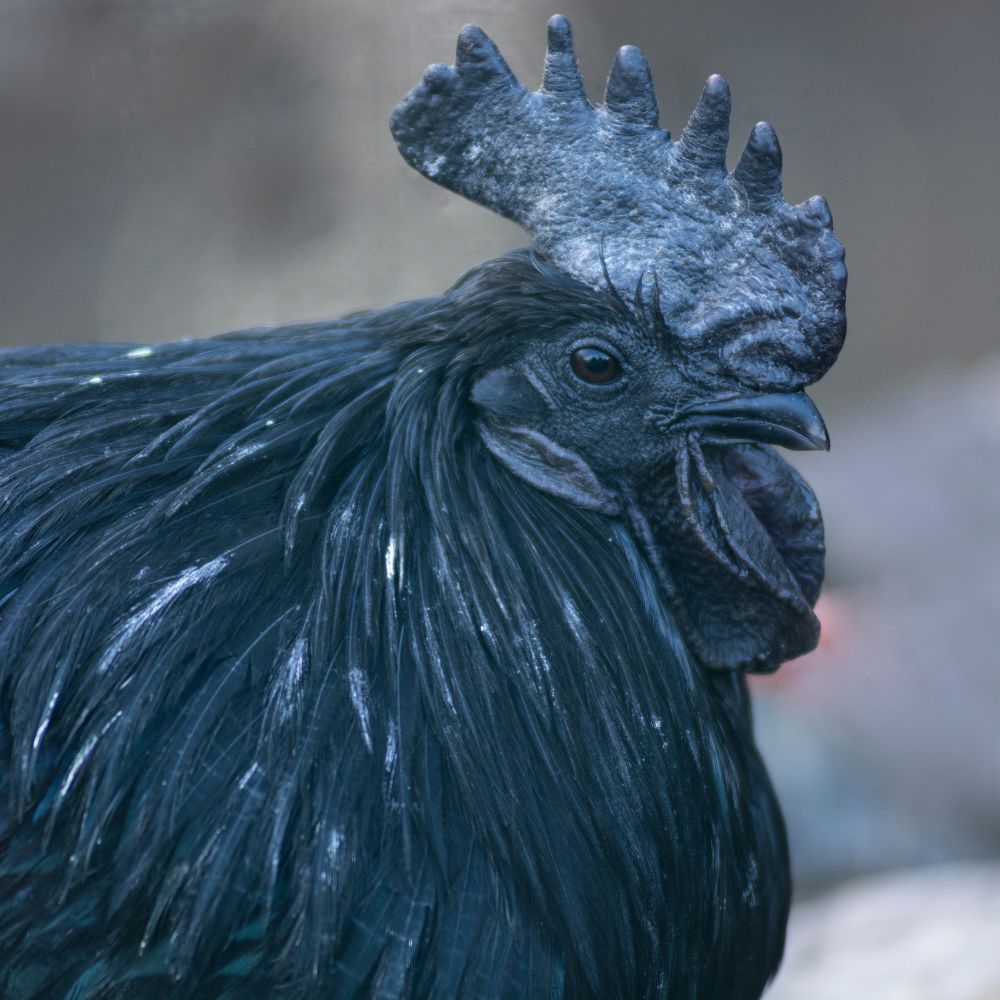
[{"x": 919, "y": 934}]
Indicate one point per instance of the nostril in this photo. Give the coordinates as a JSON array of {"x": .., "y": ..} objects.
[{"x": 659, "y": 418}]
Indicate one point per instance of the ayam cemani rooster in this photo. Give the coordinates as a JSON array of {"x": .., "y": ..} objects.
[{"x": 402, "y": 655}]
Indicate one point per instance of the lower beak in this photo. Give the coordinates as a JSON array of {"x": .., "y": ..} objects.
[{"x": 788, "y": 419}]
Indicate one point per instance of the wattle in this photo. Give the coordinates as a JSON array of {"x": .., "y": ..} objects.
[{"x": 737, "y": 539}]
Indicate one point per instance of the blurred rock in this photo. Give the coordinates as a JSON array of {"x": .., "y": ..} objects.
[{"x": 929, "y": 934}]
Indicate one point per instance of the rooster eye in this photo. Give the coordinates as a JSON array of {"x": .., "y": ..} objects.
[{"x": 594, "y": 365}]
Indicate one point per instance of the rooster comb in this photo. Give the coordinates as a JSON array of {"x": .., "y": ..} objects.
[{"x": 607, "y": 195}]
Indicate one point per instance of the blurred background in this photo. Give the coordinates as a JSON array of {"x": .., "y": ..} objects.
[{"x": 178, "y": 168}]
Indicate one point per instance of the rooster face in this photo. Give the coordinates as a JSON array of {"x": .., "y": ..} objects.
[{"x": 623, "y": 413}]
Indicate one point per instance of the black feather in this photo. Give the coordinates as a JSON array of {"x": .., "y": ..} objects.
[{"x": 303, "y": 694}]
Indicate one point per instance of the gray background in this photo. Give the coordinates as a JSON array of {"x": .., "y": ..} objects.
[{"x": 176, "y": 168}]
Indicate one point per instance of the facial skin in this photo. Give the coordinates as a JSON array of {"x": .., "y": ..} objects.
[
  {"x": 625, "y": 418},
  {"x": 638, "y": 395}
]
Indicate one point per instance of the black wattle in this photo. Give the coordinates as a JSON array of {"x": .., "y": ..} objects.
[{"x": 735, "y": 536}]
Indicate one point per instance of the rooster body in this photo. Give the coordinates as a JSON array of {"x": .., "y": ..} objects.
[
  {"x": 332, "y": 704},
  {"x": 401, "y": 656}
]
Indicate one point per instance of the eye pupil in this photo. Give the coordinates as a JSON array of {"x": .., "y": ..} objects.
[{"x": 594, "y": 365}]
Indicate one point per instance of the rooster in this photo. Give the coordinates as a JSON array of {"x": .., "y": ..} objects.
[{"x": 402, "y": 655}]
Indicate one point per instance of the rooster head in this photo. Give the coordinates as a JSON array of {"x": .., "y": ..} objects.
[{"x": 704, "y": 305}]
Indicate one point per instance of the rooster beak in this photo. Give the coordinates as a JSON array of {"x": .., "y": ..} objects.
[{"x": 788, "y": 419}]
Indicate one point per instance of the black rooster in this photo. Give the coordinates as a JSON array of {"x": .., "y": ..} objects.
[{"x": 401, "y": 656}]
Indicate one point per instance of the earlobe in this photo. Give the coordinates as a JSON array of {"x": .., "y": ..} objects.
[
  {"x": 549, "y": 467},
  {"x": 506, "y": 395},
  {"x": 509, "y": 403}
]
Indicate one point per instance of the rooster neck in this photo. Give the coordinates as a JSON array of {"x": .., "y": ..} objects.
[{"x": 611, "y": 782}]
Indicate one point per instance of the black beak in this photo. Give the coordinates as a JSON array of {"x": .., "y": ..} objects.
[{"x": 788, "y": 419}]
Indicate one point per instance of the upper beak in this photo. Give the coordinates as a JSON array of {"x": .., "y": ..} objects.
[{"x": 788, "y": 419}]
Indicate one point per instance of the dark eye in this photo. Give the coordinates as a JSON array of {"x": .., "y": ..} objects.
[{"x": 594, "y": 365}]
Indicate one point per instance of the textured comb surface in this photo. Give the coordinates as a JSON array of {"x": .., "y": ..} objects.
[{"x": 608, "y": 196}]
